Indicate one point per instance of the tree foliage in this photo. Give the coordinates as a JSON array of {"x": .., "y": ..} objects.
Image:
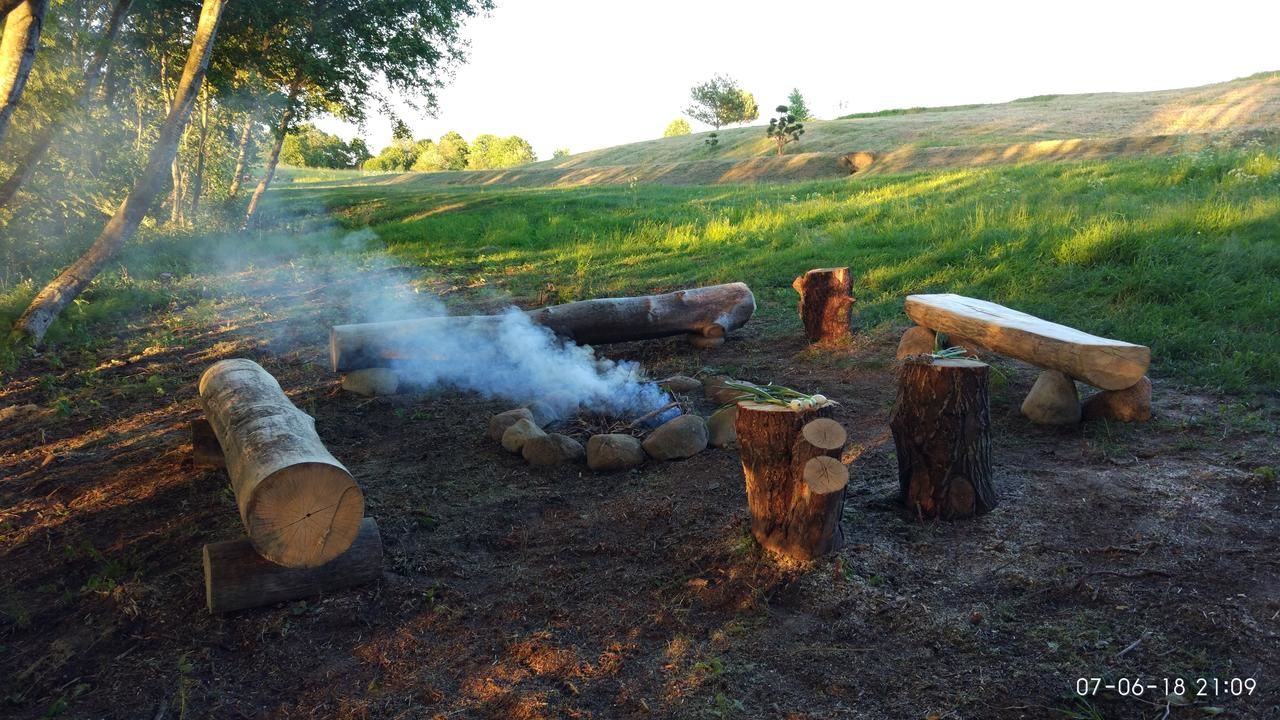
[
  {"x": 677, "y": 127},
  {"x": 796, "y": 102},
  {"x": 560, "y": 153},
  {"x": 784, "y": 129},
  {"x": 720, "y": 101},
  {"x": 492, "y": 152},
  {"x": 308, "y": 146}
]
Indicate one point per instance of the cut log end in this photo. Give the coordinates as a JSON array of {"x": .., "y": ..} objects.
[
  {"x": 825, "y": 433},
  {"x": 825, "y": 474},
  {"x": 304, "y": 515}
]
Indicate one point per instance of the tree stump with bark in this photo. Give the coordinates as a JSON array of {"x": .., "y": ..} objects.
[
  {"x": 795, "y": 480},
  {"x": 825, "y": 302},
  {"x": 941, "y": 427}
]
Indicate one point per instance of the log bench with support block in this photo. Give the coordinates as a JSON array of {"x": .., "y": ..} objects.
[
  {"x": 1113, "y": 366},
  {"x": 302, "y": 511},
  {"x": 705, "y": 315}
]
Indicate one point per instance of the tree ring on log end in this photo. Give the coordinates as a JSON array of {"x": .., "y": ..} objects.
[
  {"x": 825, "y": 474},
  {"x": 304, "y": 515},
  {"x": 825, "y": 433}
]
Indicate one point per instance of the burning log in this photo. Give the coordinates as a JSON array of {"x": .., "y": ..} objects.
[
  {"x": 942, "y": 432},
  {"x": 708, "y": 313},
  {"x": 300, "y": 506},
  {"x": 825, "y": 301},
  {"x": 236, "y": 577},
  {"x": 795, "y": 496}
]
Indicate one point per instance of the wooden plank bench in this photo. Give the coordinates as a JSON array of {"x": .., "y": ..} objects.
[{"x": 1111, "y": 365}]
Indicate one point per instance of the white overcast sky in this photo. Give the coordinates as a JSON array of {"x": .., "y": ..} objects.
[{"x": 584, "y": 75}]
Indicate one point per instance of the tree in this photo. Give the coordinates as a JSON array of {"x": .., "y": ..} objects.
[
  {"x": 454, "y": 150},
  {"x": 720, "y": 101},
  {"x": 334, "y": 55},
  {"x": 490, "y": 152},
  {"x": 560, "y": 153},
  {"x": 795, "y": 101},
  {"x": 55, "y": 296},
  {"x": 308, "y": 146},
  {"x": 17, "y": 53},
  {"x": 93, "y": 75},
  {"x": 400, "y": 130},
  {"x": 676, "y": 127},
  {"x": 784, "y": 129}
]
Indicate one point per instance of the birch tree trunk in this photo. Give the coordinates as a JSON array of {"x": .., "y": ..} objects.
[
  {"x": 270, "y": 171},
  {"x": 71, "y": 282},
  {"x": 241, "y": 154},
  {"x": 17, "y": 53},
  {"x": 93, "y": 76},
  {"x": 197, "y": 177}
]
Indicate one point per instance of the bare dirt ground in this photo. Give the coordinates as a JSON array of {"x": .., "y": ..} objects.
[{"x": 1148, "y": 552}]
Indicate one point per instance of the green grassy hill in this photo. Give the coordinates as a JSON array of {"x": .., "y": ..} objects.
[
  {"x": 1043, "y": 128},
  {"x": 1239, "y": 105}
]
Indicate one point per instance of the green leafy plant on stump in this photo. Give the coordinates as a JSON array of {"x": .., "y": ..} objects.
[{"x": 784, "y": 129}]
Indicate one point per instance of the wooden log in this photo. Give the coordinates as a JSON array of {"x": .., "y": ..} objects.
[
  {"x": 708, "y": 312},
  {"x": 236, "y": 577},
  {"x": 789, "y": 513},
  {"x": 825, "y": 302},
  {"x": 1101, "y": 362},
  {"x": 205, "y": 449},
  {"x": 941, "y": 427},
  {"x": 299, "y": 505}
]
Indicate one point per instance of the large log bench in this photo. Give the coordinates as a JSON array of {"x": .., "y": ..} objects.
[{"x": 1116, "y": 367}]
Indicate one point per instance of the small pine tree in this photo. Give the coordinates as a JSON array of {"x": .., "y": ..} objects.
[
  {"x": 712, "y": 140},
  {"x": 795, "y": 101},
  {"x": 560, "y": 152},
  {"x": 784, "y": 129}
]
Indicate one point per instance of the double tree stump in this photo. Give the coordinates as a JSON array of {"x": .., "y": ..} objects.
[
  {"x": 795, "y": 480},
  {"x": 825, "y": 303},
  {"x": 941, "y": 427}
]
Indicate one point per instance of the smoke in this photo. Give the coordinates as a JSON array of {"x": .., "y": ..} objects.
[{"x": 515, "y": 359}]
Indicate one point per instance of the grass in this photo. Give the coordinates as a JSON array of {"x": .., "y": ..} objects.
[{"x": 1179, "y": 253}]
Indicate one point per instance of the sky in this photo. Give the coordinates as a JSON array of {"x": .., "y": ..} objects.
[{"x": 582, "y": 75}]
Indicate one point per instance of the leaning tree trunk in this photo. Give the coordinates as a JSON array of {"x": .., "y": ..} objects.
[
  {"x": 8, "y": 6},
  {"x": 941, "y": 427},
  {"x": 795, "y": 480},
  {"x": 93, "y": 76},
  {"x": 299, "y": 505},
  {"x": 704, "y": 312},
  {"x": 269, "y": 172},
  {"x": 242, "y": 153},
  {"x": 63, "y": 289},
  {"x": 17, "y": 53},
  {"x": 825, "y": 301}
]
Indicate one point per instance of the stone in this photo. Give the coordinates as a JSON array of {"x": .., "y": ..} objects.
[
  {"x": 676, "y": 439},
  {"x": 519, "y": 433},
  {"x": 722, "y": 427},
  {"x": 499, "y": 423},
  {"x": 916, "y": 341},
  {"x": 1053, "y": 400},
  {"x": 371, "y": 381},
  {"x": 552, "y": 449},
  {"x": 543, "y": 413},
  {"x": 681, "y": 384},
  {"x": 717, "y": 392},
  {"x": 1133, "y": 404},
  {"x": 614, "y": 452}
]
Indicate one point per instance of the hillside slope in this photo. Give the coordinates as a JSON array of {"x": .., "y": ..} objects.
[{"x": 1244, "y": 104}]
